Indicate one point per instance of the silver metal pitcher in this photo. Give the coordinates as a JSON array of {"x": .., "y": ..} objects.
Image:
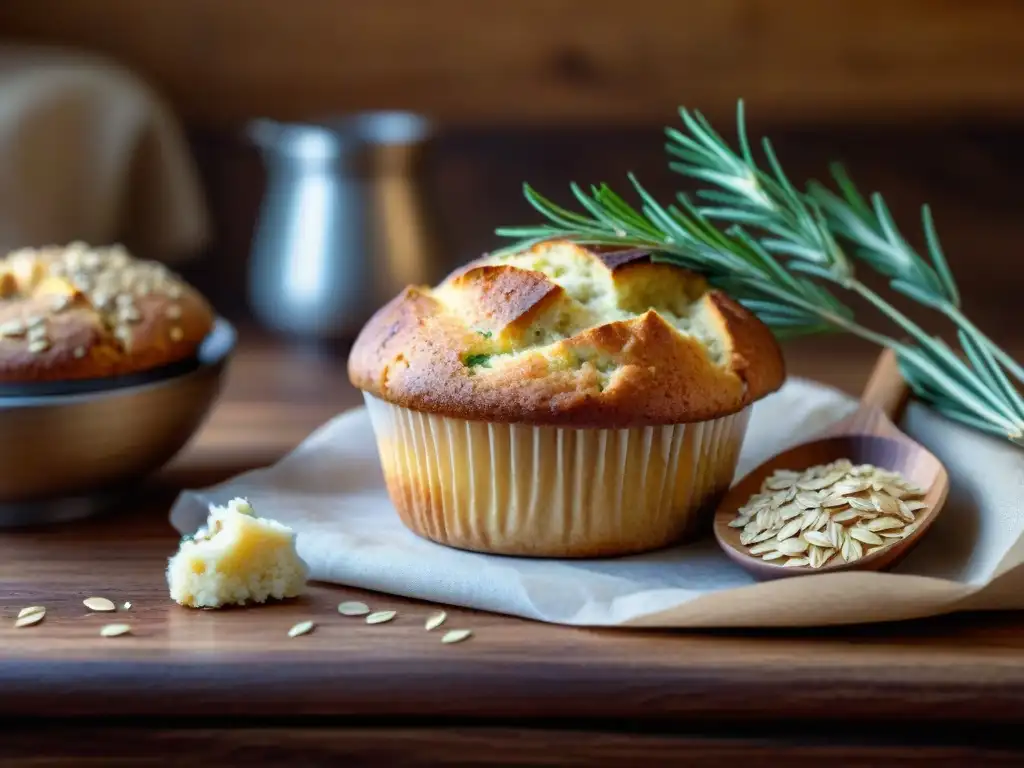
[{"x": 345, "y": 222}]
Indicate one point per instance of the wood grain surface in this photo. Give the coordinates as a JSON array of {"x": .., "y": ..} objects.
[
  {"x": 466, "y": 746},
  {"x": 554, "y": 60},
  {"x": 516, "y": 693}
]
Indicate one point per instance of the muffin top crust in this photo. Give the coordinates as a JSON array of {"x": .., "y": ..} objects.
[
  {"x": 78, "y": 312},
  {"x": 560, "y": 334}
]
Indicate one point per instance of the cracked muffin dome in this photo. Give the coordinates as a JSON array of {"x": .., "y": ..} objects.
[
  {"x": 563, "y": 335},
  {"x": 76, "y": 312}
]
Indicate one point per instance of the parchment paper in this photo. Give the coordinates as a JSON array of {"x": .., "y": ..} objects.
[{"x": 331, "y": 491}]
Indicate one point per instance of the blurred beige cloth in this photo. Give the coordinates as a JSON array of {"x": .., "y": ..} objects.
[{"x": 89, "y": 152}]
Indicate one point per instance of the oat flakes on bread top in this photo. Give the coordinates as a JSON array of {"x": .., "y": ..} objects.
[
  {"x": 76, "y": 312},
  {"x": 565, "y": 335}
]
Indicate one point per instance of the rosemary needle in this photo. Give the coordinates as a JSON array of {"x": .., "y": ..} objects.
[{"x": 782, "y": 252}]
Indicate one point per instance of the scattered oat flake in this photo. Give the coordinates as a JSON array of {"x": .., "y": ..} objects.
[
  {"x": 763, "y": 536},
  {"x": 864, "y": 505},
  {"x": 302, "y": 628},
  {"x": 865, "y": 536},
  {"x": 817, "y": 538},
  {"x": 792, "y": 546},
  {"x": 904, "y": 512},
  {"x": 115, "y": 630},
  {"x": 765, "y": 546},
  {"x": 808, "y": 500},
  {"x": 835, "y": 500},
  {"x": 845, "y": 516},
  {"x": 784, "y": 497},
  {"x": 29, "y": 616},
  {"x": 353, "y": 608},
  {"x": 819, "y": 556},
  {"x": 835, "y": 534},
  {"x": 786, "y": 474},
  {"x": 836, "y": 508},
  {"x": 848, "y": 487},
  {"x": 883, "y": 524},
  {"x": 790, "y": 529},
  {"x": 380, "y": 617},
  {"x": 814, "y": 484},
  {"x": 127, "y": 606},
  {"x": 885, "y": 504},
  {"x": 456, "y": 636},
  {"x": 814, "y": 555},
  {"x": 99, "y": 604},
  {"x": 435, "y": 620},
  {"x": 790, "y": 511},
  {"x": 895, "y": 491},
  {"x": 809, "y": 518},
  {"x": 852, "y": 549}
]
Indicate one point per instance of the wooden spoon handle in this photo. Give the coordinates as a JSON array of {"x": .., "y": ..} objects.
[{"x": 886, "y": 390}]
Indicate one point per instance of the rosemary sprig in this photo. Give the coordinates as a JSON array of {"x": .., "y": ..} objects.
[
  {"x": 780, "y": 247},
  {"x": 872, "y": 231}
]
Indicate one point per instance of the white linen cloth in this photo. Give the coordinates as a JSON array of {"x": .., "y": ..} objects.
[{"x": 331, "y": 491}]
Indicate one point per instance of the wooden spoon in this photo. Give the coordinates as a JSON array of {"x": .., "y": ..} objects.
[{"x": 867, "y": 436}]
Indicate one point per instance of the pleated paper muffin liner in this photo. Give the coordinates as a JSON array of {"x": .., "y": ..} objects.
[{"x": 543, "y": 491}]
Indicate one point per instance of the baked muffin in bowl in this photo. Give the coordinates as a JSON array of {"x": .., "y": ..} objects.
[
  {"x": 562, "y": 401},
  {"x": 73, "y": 313},
  {"x": 108, "y": 366}
]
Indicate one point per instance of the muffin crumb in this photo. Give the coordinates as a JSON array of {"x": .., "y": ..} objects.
[{"x": 236, "y": 558}]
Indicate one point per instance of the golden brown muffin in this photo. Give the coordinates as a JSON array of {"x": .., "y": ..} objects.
[
  {"x": 563, "y": 335},
  {"x": 562, "y": 401},
  {"x": 75, "y": 312}
]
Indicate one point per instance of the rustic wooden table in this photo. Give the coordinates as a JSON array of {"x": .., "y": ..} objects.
[{"x": 216, "y": 688}]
